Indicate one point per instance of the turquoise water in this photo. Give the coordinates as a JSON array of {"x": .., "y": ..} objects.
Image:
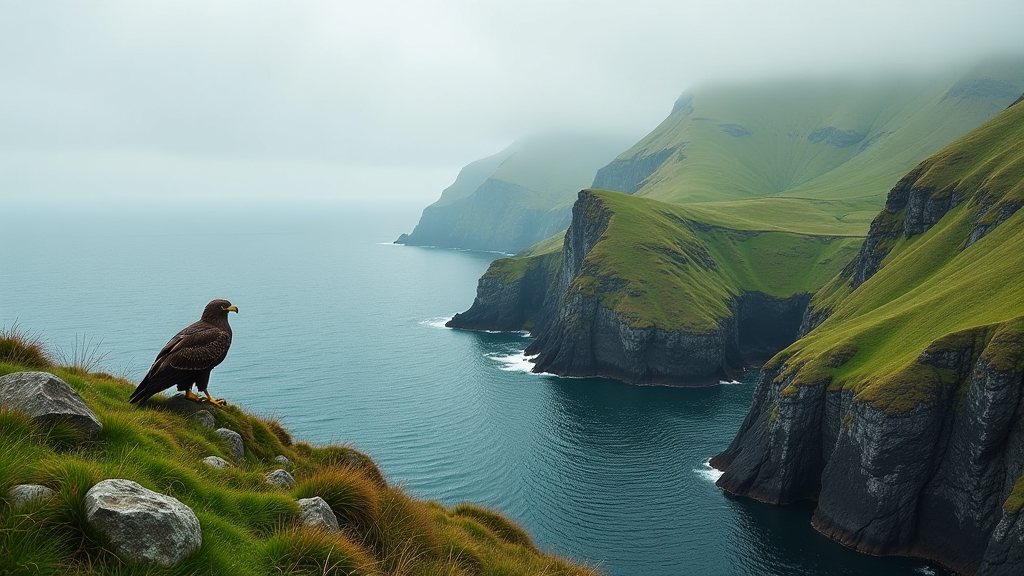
[{"x": 340, "y": 335}]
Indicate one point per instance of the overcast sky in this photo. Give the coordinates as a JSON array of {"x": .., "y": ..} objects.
[{"x": 258, "y": 99}]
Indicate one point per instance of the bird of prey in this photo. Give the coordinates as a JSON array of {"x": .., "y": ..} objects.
[{"x": 190, "y": 356}]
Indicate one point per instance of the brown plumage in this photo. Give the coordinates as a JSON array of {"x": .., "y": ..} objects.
[{"x": 190, "y": 356}]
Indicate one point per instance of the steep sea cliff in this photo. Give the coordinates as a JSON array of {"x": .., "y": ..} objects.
[
  {"x": 900, "y": 411},
  {"x": 589, "y": 305}
]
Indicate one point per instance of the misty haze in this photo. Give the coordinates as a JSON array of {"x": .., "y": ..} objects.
[{"x": 564, "y": 287}]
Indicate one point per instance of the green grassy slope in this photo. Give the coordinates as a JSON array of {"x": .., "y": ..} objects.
[
  {"x": 656, "y": 264},
  {"x": 249, "y": 527},
  {"x": 932, "y": 289},
  {"x": 815, "y": 157},
  {"x": 840, "y": 143}
]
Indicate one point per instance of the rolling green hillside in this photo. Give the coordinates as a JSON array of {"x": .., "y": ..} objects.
[
  {"x": 899, "y": 412},
  {"x": 961, "y": 275},
  {"x": 823, "y": 140},
  {"x": 516, "y": 198}
]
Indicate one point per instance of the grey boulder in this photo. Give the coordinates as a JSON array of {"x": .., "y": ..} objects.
[
  {"x": 280, "y": 478},
  {"x": 205, "y": 419},
  {"x": 23, "y": 494},
  {"x": 46, "y": 398},
  {"x": 143, "y": 526},
  {"x": 282, "y": 460},
  {"x": 316, "y": 513},
  {"x": 234, "y": 441},
  {"x": 216, "y": 462}
]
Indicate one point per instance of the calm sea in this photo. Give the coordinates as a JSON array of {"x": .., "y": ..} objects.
[{"x": 340, "y": 334}]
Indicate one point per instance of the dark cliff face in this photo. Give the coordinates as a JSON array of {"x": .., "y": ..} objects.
[
  {"x": 915, "y": 451},
  {"x": 576, "y": 335},
  {"x": 929, "y": 481},
  {"x": 629, "y": 174},
  {"x": 508, "y": 306}
]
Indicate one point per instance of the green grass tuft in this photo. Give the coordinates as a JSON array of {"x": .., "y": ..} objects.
[
  {"x": 21, "y": 348},
  {"x": 502, "y": 527},
  {"x": 354, "y": 498},
  {"x": 249, "y": 527}
]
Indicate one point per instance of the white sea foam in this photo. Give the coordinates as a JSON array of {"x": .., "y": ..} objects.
[
  {"x": 517, "y": 362},
  {"x": 708, "y": 472},
  {"x": 725, "y": 382},
  {"x": 926, "y": 571},
  {"x": 438, "y": 322}
]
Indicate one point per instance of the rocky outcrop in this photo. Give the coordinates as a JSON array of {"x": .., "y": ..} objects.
[
  {"x": 578, "y": 335},
  {"x": 48, "y": 399},
  {"x": 923, "y": 479},
  {"x": 629, "y": 174},
  {"x": 1005, "y": 553},
  {"x": 280, "y": 478},
  {"x": 142, "y": 525},
  {"x": 23, "y": 494},
  {"x": 205, "y": 419},
  {"x": 316, "y": 513},
  {"x": 216, "y": 462},
  {"x": 508, "y": 300},
  {"x": 235, "y": 442}
]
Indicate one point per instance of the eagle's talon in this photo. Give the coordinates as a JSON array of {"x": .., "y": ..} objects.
[{"x": 220, "y": 403}]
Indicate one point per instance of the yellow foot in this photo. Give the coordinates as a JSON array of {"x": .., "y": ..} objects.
[
  {"x": 219, "y": 403},
  {"x": 190, "y": 396}
]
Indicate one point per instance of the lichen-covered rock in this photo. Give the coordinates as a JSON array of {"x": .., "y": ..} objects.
[
  {"x": 205, "y": 419},
  {"x": 234, "y": 441},
  {"x": 23, "y": 494},
  {"x": 280, "y": 478},
  {"x": 142, "y": 525},
  {"x": 216, "y": 462},
  {"x": 46, "y": 398},
  {"x": 282, "y": 460},
  {"x": 316, "y": 513}
]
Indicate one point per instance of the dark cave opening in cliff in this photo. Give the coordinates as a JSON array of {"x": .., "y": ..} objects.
[{"x": 766, "y": 326}]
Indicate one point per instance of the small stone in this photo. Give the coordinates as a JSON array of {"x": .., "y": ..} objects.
[
  {"x": 46, "y": 398},
  {"x": 205, "y": 419},
  {"x": 142, "y": 525},
  {"x": 23, "y": 494},
  {"x": 216, "y": 462},
  {"x": 282, "y": 460},
  {"x": 235, "y": 441},
  {"x": 280, "y": 478},
  {"x": 316, "y": 513}
]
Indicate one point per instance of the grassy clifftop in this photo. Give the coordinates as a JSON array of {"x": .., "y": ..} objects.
[
  {"x": 951, "y": 244},
  {"x": 670, "y": 266},
  {"x": 249, "y": 527},
  {"x": 824, "y": 140}
]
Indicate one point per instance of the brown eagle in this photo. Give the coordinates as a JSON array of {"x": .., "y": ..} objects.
[{"x": 190, "y": 356}]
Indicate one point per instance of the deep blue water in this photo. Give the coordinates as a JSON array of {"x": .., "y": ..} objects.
[{"x": 340, "y": 336}]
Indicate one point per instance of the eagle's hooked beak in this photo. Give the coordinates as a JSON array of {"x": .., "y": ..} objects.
[{"x": 230, "y": 309}]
